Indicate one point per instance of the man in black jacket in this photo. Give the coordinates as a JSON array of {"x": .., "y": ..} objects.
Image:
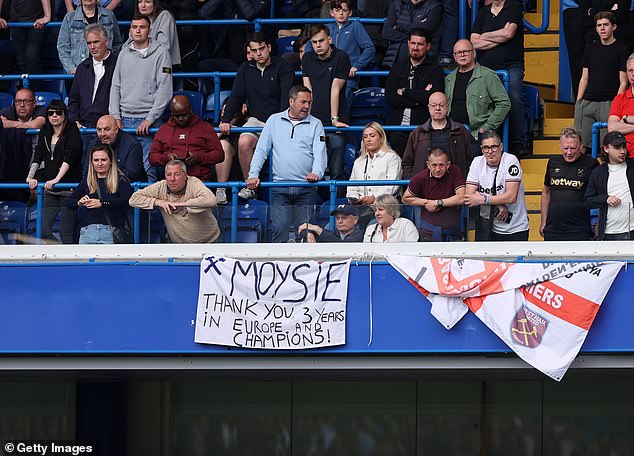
[
  {"x": 263, "y": 84},
  {"x": 610, "y": 189},
  {"x": 409, "y": 86},
  {"x": 90, "y": 94}
]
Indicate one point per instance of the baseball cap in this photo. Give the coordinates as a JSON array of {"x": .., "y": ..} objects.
[
  {"x": 345, "y": 209},
  {"x": 614, "y": 138}
]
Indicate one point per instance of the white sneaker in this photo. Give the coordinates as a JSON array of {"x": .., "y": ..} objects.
[
  {"x": 246, "y": 194},
  {"x": 221, "y": 196}
]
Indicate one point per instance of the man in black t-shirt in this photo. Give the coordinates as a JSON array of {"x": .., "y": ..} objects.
[
  {"x": 325, "y": 72},
  {"x": 602, "y": 77},
  {"x": 498, "y": 36},
  {"x": 564, "y": 215}
]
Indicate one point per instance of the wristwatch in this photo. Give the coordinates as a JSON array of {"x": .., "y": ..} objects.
[
  {"x": 624, "y": 119},
  {"x": 439, "y": 203}
]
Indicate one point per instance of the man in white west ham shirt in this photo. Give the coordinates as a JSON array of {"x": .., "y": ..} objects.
[
  {"x": 610, "y": 189},
  {"x": 494, "y": 183}
]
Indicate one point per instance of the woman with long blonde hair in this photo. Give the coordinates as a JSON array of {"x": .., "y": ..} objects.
[
  {"x": 377, "y": 162},
  {"x": 104, "y": 192}
]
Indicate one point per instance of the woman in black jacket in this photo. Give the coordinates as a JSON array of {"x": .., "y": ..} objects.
[
  {"x": 58, "y": 152},
  {"x": 104, "y": 192}
]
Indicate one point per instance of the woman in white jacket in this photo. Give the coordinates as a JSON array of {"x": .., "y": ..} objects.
[{"x": 377, "y": 162}]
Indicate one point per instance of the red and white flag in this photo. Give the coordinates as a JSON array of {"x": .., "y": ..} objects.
[{"x": 542, "y": 311}]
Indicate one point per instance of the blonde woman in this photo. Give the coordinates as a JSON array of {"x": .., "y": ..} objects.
[
  {"x": 390, "y": 226},
  {"x": 377, "y": 162},
  {"x": 104, "y": 192}
]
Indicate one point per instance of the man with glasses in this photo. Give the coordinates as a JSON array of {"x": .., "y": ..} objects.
[
  {"x": 564, "y": 215},
  {"x": 475, "y": 94},
  {"x": 19, "y": 147},
  {"x": 24, "y": 113},
  {"x": 186, "y": 137},
  {"x": 494, "y": 183},
  {"x": 409, "y": 85},
  {"x": 438, "y": 131}
]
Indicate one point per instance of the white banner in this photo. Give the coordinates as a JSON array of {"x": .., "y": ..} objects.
[
  {"x": 542, "y": 311},
  {"x": 272, "y": 304}
]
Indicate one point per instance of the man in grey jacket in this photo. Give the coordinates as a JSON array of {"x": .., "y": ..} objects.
[{"x": 141, "y": 86}]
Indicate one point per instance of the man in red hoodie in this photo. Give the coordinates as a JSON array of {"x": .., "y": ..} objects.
[{"x": 186, "y": 137}]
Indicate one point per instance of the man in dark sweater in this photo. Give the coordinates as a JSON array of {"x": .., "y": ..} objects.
[
  {"x": 409, "y": 85},
  {"x": 90, "y": 94},
  {"x": 325, "y": 72},
  {"x": 263, "y": 84}
]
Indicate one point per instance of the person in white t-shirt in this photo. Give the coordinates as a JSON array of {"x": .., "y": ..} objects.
[
  {"x": 610, "y": 189},
  {"x": 494, "y": 183},
  {"x": 390, "y": 226}
]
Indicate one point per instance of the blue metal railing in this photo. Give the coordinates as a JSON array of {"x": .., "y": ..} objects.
[{"x": 596, "y": 134}]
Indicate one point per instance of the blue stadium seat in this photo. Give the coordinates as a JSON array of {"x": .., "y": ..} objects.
[
  {"x": 195, "y": 98},
  {"x": 532, "y": 108},
  {"x": 12, "y": 220},
  {"x": 210, "y": 106},
  {"x": 350, "y": 157},
  {"x": 251, "y": 222},
  {"x": 31, "y": 222},
  {"x": 6, "y": 100},
  {"x": 285, "y": 44},
  {"x": 57, "y": 86},
  {"x": 368, "y": 103},
  {"x": 44, "y": 98}
]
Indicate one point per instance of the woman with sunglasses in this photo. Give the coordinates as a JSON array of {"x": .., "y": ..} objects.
[
  {"x": 104, "y": 192},
  {"x": 58, "y": 152}
]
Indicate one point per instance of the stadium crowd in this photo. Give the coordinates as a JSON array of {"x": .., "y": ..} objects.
[{"x": 453, "y": 154}]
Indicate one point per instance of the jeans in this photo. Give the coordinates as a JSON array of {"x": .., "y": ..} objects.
[
  {"x": 29, "y": 47},
  {"x": 290, "y": 204},
  {"x": 517, "y": 134},
  {"x": 53, "y": 205},
  {"x": 96, "y": 234},
  {"x": 449, "y": 28},
  {"x": 146, "y": 144}
]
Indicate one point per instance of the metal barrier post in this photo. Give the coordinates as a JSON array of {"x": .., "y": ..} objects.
[
  {"x": 38, "y": 212},
  {"x": 234, "y": 213},
  {"x": 333, "y": 203},
  {"x": 596, "y": 132},
  {"x": 137, "y": 218},
  {"x": 216, "y": 96},
  {"x": 257, "y": 22}
]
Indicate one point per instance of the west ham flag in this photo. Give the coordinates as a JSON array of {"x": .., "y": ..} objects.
[{"x": 542, "y": 311}]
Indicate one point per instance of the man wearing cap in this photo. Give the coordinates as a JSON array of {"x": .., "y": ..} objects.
[
  {"x": 438, "y": 190},
  {"x": 346, "y": 229},
  {"x": 610, "y": 189}
]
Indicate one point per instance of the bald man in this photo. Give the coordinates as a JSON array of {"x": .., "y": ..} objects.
[
  {"x": 186, "y": 137},
  {"x": 126, "y": 147},
  {"x": 438, "y": 131}
]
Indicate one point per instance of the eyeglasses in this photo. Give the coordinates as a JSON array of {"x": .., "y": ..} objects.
[
  {"x": 493, "y": 148},
  {"x": 461, "y": 53},
  {"x": 56, "y": 112},
  {"x": 24, "y": 101}
]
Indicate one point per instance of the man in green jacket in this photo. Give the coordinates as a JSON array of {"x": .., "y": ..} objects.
[{"x": 475, "y": 94}]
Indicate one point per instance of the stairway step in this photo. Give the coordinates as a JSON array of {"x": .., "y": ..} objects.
[
  {"x": 543, "y": 40},
  {"x": 554, "y": 125},
  {"x": 534, "y": 165},
  {"x": 534, "y": 220},
  {"x": 533, "y": 202},
  {"x": 561, "y": 109},
  {"x": 536, "y": 20},
  {"x": 546, "y": 146},
  {"x": 533, "y": 182},
  {"x": 542, "y": 66}
]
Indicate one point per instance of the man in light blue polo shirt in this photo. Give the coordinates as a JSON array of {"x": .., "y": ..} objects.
[{"x": 298, "y": 145}]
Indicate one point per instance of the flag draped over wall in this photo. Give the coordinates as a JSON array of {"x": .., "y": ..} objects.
[{"x": 542, "y": 311}]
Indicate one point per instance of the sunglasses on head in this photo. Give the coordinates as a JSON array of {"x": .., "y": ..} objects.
[{"x": 57, "y": 112}]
